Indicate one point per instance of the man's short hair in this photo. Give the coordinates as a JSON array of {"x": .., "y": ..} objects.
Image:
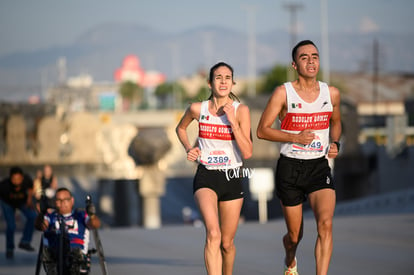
[
  {"x": 300, "y": 44},
  {"x": 61, "y": 189}
]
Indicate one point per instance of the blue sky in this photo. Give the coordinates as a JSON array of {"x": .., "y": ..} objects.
[{"x": 32, "y": 25}]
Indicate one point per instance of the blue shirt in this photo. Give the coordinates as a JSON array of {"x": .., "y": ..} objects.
[{"x": 76, "y": 227}]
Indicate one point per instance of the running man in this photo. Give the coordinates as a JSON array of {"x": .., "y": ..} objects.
[{"x": 310, "y": 130}]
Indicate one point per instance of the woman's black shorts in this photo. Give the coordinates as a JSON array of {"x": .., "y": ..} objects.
[{"x": 225, "y": 188}]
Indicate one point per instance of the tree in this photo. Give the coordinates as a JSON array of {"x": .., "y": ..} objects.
[
  {"x": 275, "y": 77},
  {"x": 170, "y": 94},
  {"x": 203, "y": 93},
  {"x": 131, "y": 94}
]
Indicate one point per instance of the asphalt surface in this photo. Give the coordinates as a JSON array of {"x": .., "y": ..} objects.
[{"x": 363, "y": 244}]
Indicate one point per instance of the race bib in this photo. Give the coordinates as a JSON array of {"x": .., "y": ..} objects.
[
  {"x": 315, "y": 147},
  {"x": 215, "y": 158}
]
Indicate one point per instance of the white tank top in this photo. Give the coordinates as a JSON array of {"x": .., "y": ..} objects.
[
  {"x": 218, "y": 146},
  {"x": 302, "y": 115}
]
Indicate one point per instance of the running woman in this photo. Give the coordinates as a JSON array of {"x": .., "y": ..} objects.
[{"x": 224, "y": 140}]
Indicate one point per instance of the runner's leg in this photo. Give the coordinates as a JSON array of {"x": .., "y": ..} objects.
[
  {"x": 229, "y": 220},
  {"x": 323, "y": 206},
  {"x": 206, "y": 200},
  {"x": 294, "y": 223}
]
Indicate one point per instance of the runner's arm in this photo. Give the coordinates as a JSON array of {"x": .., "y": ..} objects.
[
  {"x": 274, "y": 109},
  {"x": 335, "y": 123},
  {"x": 242, "y": 131},
  {"x": 191, "y": 113}
]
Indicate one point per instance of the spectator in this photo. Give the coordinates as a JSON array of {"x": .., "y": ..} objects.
[
  {"x": 45, "y": 186},
  {"x": 16, "y": 192}
]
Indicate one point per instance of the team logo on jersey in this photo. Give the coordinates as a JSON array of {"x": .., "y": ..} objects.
[
  {"x": 203, "y": 117},
  {"x": 296, "y": 105}
]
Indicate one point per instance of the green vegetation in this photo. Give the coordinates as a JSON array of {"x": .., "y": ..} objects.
[
  {"x": 131, "y": 94},
  {"x": 170, "y": 95},
  {"x": 274, "y": 77}
]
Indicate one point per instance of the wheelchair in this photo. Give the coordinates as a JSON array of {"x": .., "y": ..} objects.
[
  {"x": 58, "y": 258},
  {"x": 65, "y": 260}
]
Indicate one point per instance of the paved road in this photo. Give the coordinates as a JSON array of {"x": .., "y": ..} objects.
[{"x": 370, "y": 244}]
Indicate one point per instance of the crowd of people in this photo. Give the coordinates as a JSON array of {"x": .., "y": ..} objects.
[{"x": 224, "y": 142}]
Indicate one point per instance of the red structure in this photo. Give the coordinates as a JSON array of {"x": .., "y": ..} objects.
[{"x": 131, "y": 71}]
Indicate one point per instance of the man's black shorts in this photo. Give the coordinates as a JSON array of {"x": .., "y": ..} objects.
[
  {"x": 296, "y": 178},
  {"x": 226, "y": 189}
]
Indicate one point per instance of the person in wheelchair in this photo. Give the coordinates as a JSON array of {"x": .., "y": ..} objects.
[{"x": 66, "y": 251}]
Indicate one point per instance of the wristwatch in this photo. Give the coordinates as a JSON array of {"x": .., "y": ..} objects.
[{"x": 338, "y": 145}]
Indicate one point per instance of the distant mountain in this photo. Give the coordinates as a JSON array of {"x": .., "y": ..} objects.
[{"x": 100, "y": 51}]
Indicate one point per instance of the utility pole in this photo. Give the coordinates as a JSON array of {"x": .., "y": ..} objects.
[
  {"x": 62, "y": 68},
  {"x": 44, "y": 84},
  {"x": 292, "y": 8},
  {"x": 325, "y": 42},
  {"x": 175, "y": 59},
  {"x": 375, "y": 83},
  {"x": 251, "y": 49},
  {"x": 208, "y": 48},
  {"x": 375, "y": 71}
]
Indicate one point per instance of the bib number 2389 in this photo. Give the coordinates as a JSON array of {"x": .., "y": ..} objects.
[
  {"x": 220, "y": 160},
  {"x": 215, "y": 158}
]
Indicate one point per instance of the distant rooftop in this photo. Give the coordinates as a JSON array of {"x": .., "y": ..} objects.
[{"x": 359, "y": 87}]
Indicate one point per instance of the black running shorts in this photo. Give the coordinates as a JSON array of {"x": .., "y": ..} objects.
[
  {"x": 296, "y": 178},
  {"x": 225, "y": 188}
]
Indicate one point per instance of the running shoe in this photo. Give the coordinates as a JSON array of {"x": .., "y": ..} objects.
[{"x": 291, "y": 270}]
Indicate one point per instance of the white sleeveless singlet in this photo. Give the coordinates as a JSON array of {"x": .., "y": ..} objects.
[
  {"x": 218, "y": 146},
  {"x": 302, "y": 115}
]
